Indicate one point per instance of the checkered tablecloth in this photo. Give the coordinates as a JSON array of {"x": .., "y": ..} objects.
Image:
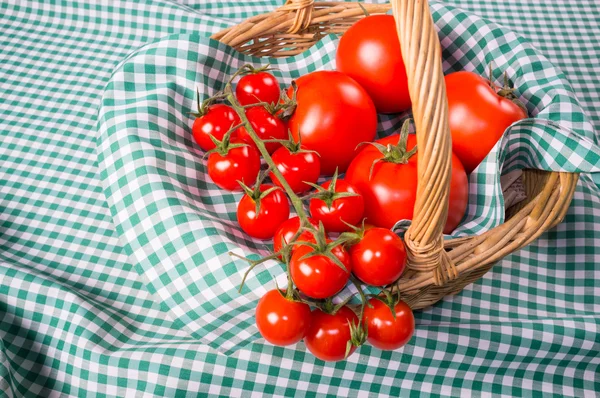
[{"x": 86, "y": 312}]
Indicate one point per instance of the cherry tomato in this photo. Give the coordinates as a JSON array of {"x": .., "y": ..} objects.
[
  {"x": 478, "y": 116},
  {"x": 379, "y": 258},
  {"x": 273, "y": 209},
  {"x": 258, "y": 87},
  {"x": 281, "y": 321},
  {"x": 266, "y": 126},
  {"x": 239, "y": 164},
  {"x": 390, "y": 193},
  {"x": 318, "y": 276},
  {"x": 288, "y": 229},
  {"x": 333, "y": 115},
  {"x": 297, "y": 168},
  {"x": 331, "y": 213},
  {"x": 385, "y": 332},
  {"x": 217, "y": 120},
  {"x": 328, "y": 335}
]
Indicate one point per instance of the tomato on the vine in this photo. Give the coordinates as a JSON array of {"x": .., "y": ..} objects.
[
  {"x": 266, "y": 126},
  {"x": 386, "y": 331},
  {"x": 336, "y": 204},
  {"x": 328, "y": 335},
  {"x": 333, "y": 115},
  {"x": 297, "y": 166},
  {"x": 369, "y": 52},
  {"x": 282, "y": 321},
  {"x": 262, "y": 210},
  {"x": 214, "y": 120},
  {"x": 288, "y": 229},
  {"x": 232, "y": 163},
  {"x": 258, "y": 86},
  {"x": 478, "y": 115}
]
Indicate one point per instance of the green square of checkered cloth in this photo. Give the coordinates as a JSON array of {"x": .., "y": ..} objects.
[{"x": 178, "y": 227}]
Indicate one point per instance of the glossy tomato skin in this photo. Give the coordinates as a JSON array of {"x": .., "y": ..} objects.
[
  {"x": 258, "y": 87},
  {"x": 349, "y": 209},
  {"x": 328, "y": 335},
  {"x": 288, "y": 229},
  {"x": 266, "y": 126},
  {"x": 385, "y": 332},
  {"x": 391, "y": 192},
  {"x": 281, "y": 321},
  {"x": 274, "y": 210},
  {"x": 478, "y": 117},
  {"x": 297, "y": 168},
  {"x": 240, "y": 164},
  {"x": 319, "y": 277},
  {"x": 369, "y": 52},
  {"x": 379, "y": 258},
  {"x": 334, "y": 115},
  {"x": 216, "y": 122}
]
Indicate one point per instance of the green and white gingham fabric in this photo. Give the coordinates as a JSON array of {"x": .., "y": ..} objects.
[{"x": 114, "y": 278}]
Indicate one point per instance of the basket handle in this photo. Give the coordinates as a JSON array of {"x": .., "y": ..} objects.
[
  {"x": 302, "y": 13},
  {"x": 421, "y": 51}
]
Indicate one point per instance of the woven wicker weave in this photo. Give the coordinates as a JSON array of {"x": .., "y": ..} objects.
[{"x": 436, "y": 267}]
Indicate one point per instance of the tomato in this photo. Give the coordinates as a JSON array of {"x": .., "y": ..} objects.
[
  {"x": 258, "y": 87},
  {"x": 385, "y": 332},
  {"x": 369, "y": 52},
  {"x": 331, "y": 210},
  {"x": 266, "y": 125},
  {"x": 333, "y": 115},
  {"x": 261, "y": 213},
  {"x": 215, "y": 121},
  {"x": 379, "y": 258},
  {"x": 328, "y": 335},
  {"x": 478, "y": 116},
  {"x": 238, "y": 164},
  {"x": 288, "y": 229},
  {"x": 297, "y": 167},
  {"x": 319, "y": 276},
  {"x": 390, "y": 192},
  {"x": 281, "y": 321}
]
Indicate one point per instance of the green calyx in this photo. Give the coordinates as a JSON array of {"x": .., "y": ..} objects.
[
  {"x": 255, "y": 193},
  {"x": 358, "y": 335},
  {"x": 328, "y": 195},
  {"x": 225, "y": 145},
  {"x": 202, "y": 107},
  {"x": 321, "y": 247},
  {"x": 506, "y": 91}
]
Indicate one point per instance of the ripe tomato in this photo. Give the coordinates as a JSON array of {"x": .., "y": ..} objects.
[
  {"x": 318, "y": 276},
  {"x": 261, "y": 215},
  {"x": 379, "y": 258},
  {"x": 266, "y": 126},
  {"x": 333, "y": 115},
  {"x": 216, "y": 121},
  {"x": 328, "y": 335},
  {"x": 478, "y": 116},
  {"x": 385, "y": 332},
  {"x": 281, "y": 321},
  {"x": 390, "y": 192},
  {"x": 238, "y": 164},
  {"x": 258, "y": 87},
  {"x": 297, "y": 168},
  {"x": 369, "y": 52},
  {"x": 331, "y": 210},
  {"x": 288, "y": 229}
]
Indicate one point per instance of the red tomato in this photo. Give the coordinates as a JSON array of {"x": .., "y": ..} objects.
[
  {"x": 385, "y": 332},
  {"x": 333, "y": 115},
  {"x": 318, "y": 276},
  {"x": 369, "y": 52},
  {"x": 297, "y": 168},
  {"x": 273, "y": 210},
  {"x": 288, "y": 229},
  {"x": 217, "y": 120},
  {"x": 328, "y": 335},
  {"x": 239, "y": 164},
  {"x": 379, "y": 258},
  {"x": 478, "y": 116},
  {"x": 281, "y": 321},
  {"x": 258, "y": 87},
  {"x": 331, "y": 213},
  {"x": 391, "y": 191},
  {"x": 266, "y": 126}
]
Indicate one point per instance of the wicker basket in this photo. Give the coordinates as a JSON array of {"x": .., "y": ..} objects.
[{"x": 436, "y": 267}]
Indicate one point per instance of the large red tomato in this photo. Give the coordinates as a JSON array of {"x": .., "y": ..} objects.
[
  {"x": 390, "y": 192},
  {"x": 478, "y": 116},
  {"x": 333, "y": 115},
  {"x": 369, "y": 52}
]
